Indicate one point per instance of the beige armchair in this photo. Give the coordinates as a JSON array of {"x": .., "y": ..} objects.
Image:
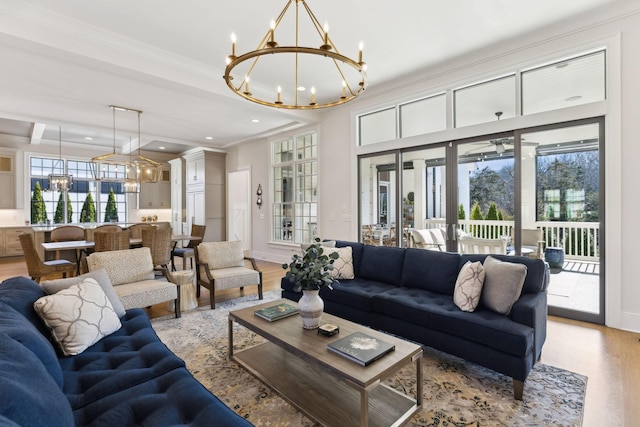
[
  {"x": 531, "y": 239},
  {"x": 221, "y": 265},
  {"x": 473, "y": 245}
]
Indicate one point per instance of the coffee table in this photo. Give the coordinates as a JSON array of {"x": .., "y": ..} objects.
[{"x": 327, "y": 387}]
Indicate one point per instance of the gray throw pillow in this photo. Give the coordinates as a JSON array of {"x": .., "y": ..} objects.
[
  {"x": 503, "y": 283},
  {"x": 466, "y": 294},
  {"x": 100, "y": 276}
]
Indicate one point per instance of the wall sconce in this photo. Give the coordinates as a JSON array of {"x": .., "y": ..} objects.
[{"x": 259, "y": 194}]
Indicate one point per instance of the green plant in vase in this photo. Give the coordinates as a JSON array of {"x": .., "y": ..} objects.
[{"x": 310, "y": 272}]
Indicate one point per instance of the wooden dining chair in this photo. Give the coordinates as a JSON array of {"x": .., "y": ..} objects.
[
  {"x": 67, "y": 233},
  {"x": 187, "y": 251},
  {"x": 111, "y": 240},
  {"x": 38, "y": 268},
  {"x": 158, "y": 240}
]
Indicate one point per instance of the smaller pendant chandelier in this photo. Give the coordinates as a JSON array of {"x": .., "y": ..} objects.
[
  {"x": 131, "y": 183},
  {"x": 60, "y": 181}
]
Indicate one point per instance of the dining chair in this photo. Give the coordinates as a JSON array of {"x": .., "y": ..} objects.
[
  {"x": 187, "y": 252},
  {"x": 136, "y": 229},
  {"x": 36, "y": 267},
  {"x": 67, "y": 233},
  {"x": 89, "y": 232},
  {"x": 111, "y": 240},
  {"x": 158, "y": 240}
]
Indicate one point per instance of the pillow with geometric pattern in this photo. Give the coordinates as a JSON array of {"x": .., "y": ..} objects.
[
  {"x": 343, "y": 265},
  {"x": 78, "y": 316},
  {"x": 468, "y": 288}
]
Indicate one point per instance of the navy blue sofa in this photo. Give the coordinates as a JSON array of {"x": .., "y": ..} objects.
[
  {"x": 128, "y": 378},
  {"x": 409, "y": 292}
]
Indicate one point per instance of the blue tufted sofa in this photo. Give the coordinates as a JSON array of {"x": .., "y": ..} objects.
[
  {"x": 128, "y": 378},
  {"x": 409, "y": 292}
]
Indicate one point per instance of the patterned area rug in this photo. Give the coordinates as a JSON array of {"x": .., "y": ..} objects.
[{"x": 456, "y": 393}]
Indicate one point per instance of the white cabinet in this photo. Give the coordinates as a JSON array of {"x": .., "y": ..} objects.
[
  {"x": 205, "y": 173},
  {"x": 177, "y": 192}
]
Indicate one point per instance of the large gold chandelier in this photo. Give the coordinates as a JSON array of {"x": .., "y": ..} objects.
[{"x": 296, "y": 67}]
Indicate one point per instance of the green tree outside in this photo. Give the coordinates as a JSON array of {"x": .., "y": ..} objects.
[
  {"x": 38, "y": 209},
  {"x": 111, "y": 211},
  {"x": 492, "y": 215},
  {"x": 88, "y": 212},
  {"x": 476, "y": 214},
  {"x": 58, "y": 217},
  {"x": 461, "y": 213}
]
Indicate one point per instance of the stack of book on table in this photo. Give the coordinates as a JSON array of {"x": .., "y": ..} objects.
[
  {"x": 361, "y": 348},
  {"x": 277, "y": 312}
]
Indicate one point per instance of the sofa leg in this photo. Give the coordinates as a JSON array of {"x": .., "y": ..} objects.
[{"x": 518, "y": 387}]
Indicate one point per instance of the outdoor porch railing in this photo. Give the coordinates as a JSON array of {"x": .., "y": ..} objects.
[{"x": 580, "y": 240}]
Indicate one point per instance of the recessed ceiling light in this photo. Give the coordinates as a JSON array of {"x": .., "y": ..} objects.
[
  {"x": 255, "y": 121},
  {"x": 209, "y": 138},
  {"x": 301, "y": 88},
  {"x": 573, "y": 98},
  {"x": 88, "y": 138},
  {"x": 161, "y": 148}
]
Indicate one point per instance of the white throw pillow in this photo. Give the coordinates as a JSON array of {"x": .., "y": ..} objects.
[
  {"x": 78, "y": 316},
  {"x": 343, "y": 265},
  {"x": 466, "y": 294},
  {"x": 100, "y": 276},
  {"x": 503, "y": 282}
]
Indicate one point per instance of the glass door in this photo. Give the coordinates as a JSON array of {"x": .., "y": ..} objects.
[
  {"x": 378, "y": 189},
  {"x": 561, "y": 214},
  {"x": 485, "y": 183}
]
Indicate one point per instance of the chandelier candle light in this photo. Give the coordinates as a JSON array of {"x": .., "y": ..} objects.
[{"x": 309, "y": 63}]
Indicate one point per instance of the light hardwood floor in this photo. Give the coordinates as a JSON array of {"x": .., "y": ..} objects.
[{"x": 610, "y": 358}]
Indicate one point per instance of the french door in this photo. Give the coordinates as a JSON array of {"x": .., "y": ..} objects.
[{"x": 537, "y": 189}]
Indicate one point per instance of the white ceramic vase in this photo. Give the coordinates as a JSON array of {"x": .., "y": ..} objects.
[{"x": 311, "y": 307}]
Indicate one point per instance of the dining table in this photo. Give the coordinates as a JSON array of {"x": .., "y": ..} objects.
[{"x": 85, "y": 245}]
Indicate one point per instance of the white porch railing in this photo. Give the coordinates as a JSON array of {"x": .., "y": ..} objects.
[{"x": 580, "y": 240}]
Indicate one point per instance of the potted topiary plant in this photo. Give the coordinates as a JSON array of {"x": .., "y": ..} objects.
[{"x": 309, "y": 272}]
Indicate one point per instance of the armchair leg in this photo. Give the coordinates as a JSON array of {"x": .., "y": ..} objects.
[
  {"x": 212, "y": 296},
  {"x": 518, "y": 387},
  {"x": 260, "y": 286}
]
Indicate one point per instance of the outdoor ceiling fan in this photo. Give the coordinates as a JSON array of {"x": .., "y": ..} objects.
[{"x": 499, "y": 145}]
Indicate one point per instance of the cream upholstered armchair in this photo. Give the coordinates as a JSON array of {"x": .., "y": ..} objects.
[{"x": 221, "y": 265}]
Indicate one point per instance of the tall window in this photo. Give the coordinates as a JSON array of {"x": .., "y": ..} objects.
[
  {"x": 49, "y": 205},
  {"x": 295, "y": 181}
]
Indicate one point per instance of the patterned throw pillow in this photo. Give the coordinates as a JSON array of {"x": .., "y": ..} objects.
[
  {"x": 343, "y": 266},
  {"x": 466, "y": 294},
  {"x": 78, "y": 316},
  {"x": 503, "y": 284}
]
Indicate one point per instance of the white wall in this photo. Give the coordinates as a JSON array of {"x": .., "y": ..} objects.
[{"x": 337, "y": 190}]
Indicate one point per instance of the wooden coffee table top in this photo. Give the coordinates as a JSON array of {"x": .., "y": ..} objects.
[{"x": 307, "y": 344}]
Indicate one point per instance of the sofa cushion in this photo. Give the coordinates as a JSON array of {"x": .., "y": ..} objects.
[
  {"x": 124, "y": 266},
  {"x": 502, "y": 284},
  {"x": 537, "y": 278},
  {"x": 382, "y": 264},
  {"x": 20, "y": 329},
  {"x": 356, "y": 252},
  {"x": 430, "y": 270},
  {"x": 131, "y": 355},
  {"x": 356, "y": 293},
  {"x": 438, "y": 312},
  {"x": 468, "y": 289},
  {"x": 100, "y": 276},
  {"x": 78, "y": 316},
  {"x": 20, "y": 293},
  {"x": 171, "y": 399},
  {"x": 30, "y": 397},
  {"x": 343, "y": 265}
]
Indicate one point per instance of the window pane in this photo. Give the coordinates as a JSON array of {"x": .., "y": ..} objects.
[
  {"x": 564, "y": 84},
  {"x": 378, "y": 126},
  {"x": 423, "y": 116},
  {"x": 485, "y": 102}
]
